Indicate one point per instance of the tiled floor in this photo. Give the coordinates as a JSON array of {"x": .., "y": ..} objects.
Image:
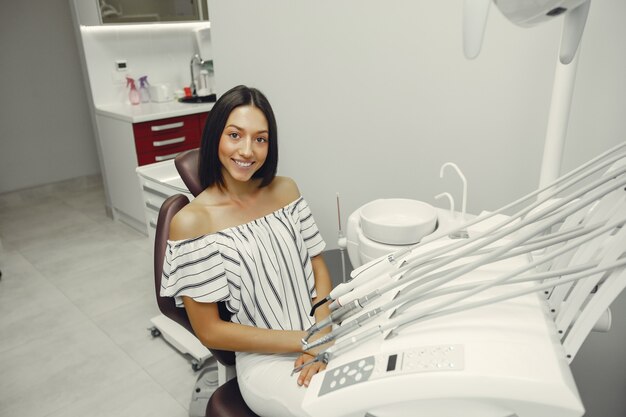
[{"x": 76, "y": 297}]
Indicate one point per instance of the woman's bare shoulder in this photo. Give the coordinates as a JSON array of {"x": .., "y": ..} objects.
[
  {"x": 191, "y": 221},
  {"x": 285, "y": 189},
  {"x": 198, "y": 218}
]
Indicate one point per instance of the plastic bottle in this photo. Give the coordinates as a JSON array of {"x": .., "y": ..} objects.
[
  {"x": 133, "y": 94},
  {"x": 143, "y": 89},
  {"x": 204, "y": 83}
]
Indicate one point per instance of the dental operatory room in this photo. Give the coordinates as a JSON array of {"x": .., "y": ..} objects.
[{"x": 332, "y": 208}]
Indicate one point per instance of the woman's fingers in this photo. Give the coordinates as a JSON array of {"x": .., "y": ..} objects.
[{"x": 307, "y": 373}]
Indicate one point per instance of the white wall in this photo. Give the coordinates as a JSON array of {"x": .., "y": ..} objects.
[
  {"x": 160, "y": 51},
  {"x": 45, "y": 127},
  {"x": 372, "y": 97}
]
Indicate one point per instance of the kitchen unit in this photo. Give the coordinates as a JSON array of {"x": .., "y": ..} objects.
[
  {"x": 133, "y": 136},
  {"x": 128, "y": 136},
  {"x": 132, "y": 11},
  {"x": 98, "y": 12}
]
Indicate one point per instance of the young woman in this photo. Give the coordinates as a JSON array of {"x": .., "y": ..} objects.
[{"x": 249, "y": 240}]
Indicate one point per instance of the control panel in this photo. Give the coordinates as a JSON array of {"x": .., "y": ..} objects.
[{"x": 439, "y": 358}]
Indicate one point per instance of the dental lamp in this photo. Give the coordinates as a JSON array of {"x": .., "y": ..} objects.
[{"x": 527, "y": 14}]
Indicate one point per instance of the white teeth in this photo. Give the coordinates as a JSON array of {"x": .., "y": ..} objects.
[{"x": 243, "y": 164}]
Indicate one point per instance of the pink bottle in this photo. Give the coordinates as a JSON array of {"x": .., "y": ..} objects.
[{"x": 133, "y": 94}]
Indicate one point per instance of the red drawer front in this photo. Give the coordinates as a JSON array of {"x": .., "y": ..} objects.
[
  {"x": 185, "y": 138},
  {"x": 163, "y": 154},
  {"x": 159, "y": 140},
  {"x": 166, "y": 127}
]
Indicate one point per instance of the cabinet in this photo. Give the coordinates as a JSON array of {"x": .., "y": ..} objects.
[
  {"x": 160, "y": 140},
  {"x": 125, "y": 145},
  {"x": 97, "y": 12},
  {"x": 158, "y": 182},
  {"x": 133, "y": 11}
]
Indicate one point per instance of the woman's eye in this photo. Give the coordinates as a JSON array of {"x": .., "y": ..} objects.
[
  {"x": 234, "y": 135},
  {"x": 261, "y": 140}
]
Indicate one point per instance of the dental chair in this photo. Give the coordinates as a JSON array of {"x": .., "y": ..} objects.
[{"x": 226, "y": 401}]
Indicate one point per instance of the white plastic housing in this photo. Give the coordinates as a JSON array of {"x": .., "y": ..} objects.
[{"x": 398, "y": 221}]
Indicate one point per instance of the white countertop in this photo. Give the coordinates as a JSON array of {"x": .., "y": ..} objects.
[
  {"x": 164, "y": 173},
  {"x": 146, "y": 112}
]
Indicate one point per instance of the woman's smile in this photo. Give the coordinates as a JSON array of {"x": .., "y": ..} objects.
[
  {"x": 243, "y": 164},
  {"x": 244, "y": 142}
]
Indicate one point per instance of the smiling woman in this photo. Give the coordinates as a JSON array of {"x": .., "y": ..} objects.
[{"x": 249, "y": 241}]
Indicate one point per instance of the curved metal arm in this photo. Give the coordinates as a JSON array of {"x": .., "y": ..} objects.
[
  {"x": 450, "y": 200},
  {"x": 195, "y": 58},
  {"x": 463, "y": 179}
]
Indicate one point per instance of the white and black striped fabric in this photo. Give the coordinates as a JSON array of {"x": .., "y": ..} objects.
[{"x": 261, "y": 269}]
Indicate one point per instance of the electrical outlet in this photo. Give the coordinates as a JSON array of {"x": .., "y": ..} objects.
[{"x": 121, "y": 65}]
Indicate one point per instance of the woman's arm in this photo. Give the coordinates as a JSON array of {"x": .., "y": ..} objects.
[
  {"x": 213, "y": 332},
  {"x": 323, "y": 285}
]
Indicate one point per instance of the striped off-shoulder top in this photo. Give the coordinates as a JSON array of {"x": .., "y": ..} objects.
[{"x": 261, "y": 269}]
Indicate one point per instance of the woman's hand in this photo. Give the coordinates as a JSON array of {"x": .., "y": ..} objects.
[{"x": 308, "y": 371}]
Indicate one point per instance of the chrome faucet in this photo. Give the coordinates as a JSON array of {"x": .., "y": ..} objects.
[{"x": 200, "y": 61}]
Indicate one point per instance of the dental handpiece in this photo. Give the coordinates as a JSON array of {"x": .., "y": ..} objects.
[
  {"x": 340, "y": 314},
  {"x": 363, "y": 275},
  {"x": 344, "y": 329}
]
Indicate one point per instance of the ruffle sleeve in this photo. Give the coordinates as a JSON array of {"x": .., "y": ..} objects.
[
  {"x": 308, "y": 228},
  {"x": 311, "y": 237},
  {"x": 194, "y": 268}
]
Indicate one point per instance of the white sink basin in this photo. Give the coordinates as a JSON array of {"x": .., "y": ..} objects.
[{"x": 398, "y": 221}]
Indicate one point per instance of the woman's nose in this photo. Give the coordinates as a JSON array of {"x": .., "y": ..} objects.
[{"x": 245, "y": 149}]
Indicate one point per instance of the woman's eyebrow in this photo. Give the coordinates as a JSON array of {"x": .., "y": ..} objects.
[{"x": 242, "y": 129}]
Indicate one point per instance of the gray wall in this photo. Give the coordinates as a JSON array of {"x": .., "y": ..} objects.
[
  {"x": 45, "y": 124},
  {"x": 372, "y": 97}
]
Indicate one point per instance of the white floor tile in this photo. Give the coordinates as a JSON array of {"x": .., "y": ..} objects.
[
  {"x": 128, "y": 326},
  {"x": 30, "y": 306},
  {"x": 176, "y": 377},
  {"x": 57, "y": 369},
  {"x": 136, "y": 395},
  {"x": 76, "y": 298}
]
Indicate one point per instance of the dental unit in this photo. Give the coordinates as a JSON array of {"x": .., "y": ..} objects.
[
  {"x": 403, "y": 264},
  {"x": 536, "y": 281},
  {"x": 397, "y": 261},
  {"x": 482, "y": 317}
]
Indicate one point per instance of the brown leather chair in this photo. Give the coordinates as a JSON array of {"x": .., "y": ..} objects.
[{"x": 226, "y": 401}]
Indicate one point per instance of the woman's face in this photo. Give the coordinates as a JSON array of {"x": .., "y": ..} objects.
[{"x": 244, "y": 143}]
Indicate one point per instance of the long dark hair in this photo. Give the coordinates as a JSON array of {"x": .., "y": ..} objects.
[{"x": 209, "y": 166}]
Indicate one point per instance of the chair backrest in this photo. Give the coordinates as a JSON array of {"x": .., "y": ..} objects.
[
  {"x": 167, "y": 305},
  {"x": 187, "y": 166}
]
